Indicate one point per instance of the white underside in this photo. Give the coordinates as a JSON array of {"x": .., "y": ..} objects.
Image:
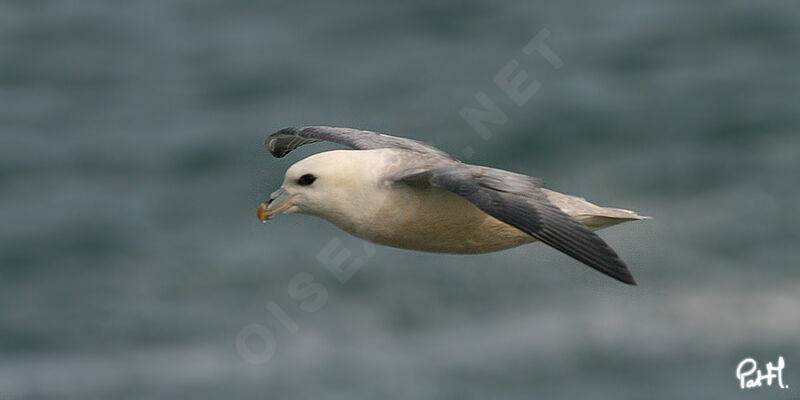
[{"x": 439, "y": 221}]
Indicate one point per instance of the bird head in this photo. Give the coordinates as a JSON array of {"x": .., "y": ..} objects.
[{"x": 324, "y": 184}]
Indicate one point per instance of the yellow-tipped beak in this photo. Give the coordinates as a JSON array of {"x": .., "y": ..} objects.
[
  {"x": 279, "y": 202},
  {"x": 263, "y": 212}
]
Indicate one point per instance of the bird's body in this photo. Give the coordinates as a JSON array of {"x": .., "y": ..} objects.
[
  {"x": 423, "y": 217},
  {"x": 401, "y": 193}
]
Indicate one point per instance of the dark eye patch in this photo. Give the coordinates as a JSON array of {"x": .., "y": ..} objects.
[{"x": 306, "y": 180}]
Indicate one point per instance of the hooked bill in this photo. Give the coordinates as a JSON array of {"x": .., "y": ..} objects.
[{"x": 263, "y": 212}]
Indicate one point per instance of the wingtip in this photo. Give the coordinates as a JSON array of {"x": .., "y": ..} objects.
[
  {"x": 621, "y": 273},
  {"x": 271, "y": 147},
  {"x": 272, "y": 141}
]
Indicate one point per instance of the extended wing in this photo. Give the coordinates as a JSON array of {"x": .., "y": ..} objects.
[
  {"x": 519, "y": 201},
  {"x": 285, "y": 140}
]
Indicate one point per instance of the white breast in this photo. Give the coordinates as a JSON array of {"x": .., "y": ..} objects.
[{"x": 431, "y": 220}]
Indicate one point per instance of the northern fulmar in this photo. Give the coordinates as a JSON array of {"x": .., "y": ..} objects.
[{"x": 403, "y": 193}]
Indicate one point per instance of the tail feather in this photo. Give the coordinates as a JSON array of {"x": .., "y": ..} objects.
[
  {"x": 591, "y": 215},
  {"x": 613, "y": 217}
]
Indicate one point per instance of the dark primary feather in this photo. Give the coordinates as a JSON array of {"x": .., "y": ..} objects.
[
  {"x": 519, "y": 201},
  {"x": 285, "y": 140}
]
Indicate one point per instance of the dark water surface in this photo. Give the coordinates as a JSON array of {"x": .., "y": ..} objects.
[{"x": 132, "y": 161}]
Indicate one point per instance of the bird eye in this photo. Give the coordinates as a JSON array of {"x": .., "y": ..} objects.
[{"x": 306, "y": 180}]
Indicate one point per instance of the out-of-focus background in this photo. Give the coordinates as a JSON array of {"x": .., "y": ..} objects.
[{"x": 132, "y": 162}]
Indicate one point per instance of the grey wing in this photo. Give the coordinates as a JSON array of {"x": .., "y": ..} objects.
[
  {"x": 519, "y": 201},
  {"x": 285, "y": 140}
]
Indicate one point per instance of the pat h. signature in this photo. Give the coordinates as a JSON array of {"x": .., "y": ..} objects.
[{"x": 750, "y": 376}]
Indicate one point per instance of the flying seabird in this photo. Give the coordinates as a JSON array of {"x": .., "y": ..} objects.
[{"x": 403, "y": 193}]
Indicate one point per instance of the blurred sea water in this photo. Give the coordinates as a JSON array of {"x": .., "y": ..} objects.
[{"x": 132, "y": 162}]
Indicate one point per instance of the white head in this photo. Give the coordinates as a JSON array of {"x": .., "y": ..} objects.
[{"x": 327, "y": 185}]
